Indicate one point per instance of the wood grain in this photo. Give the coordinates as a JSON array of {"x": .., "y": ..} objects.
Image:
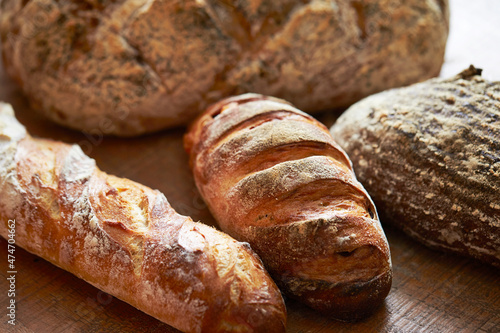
[{"x": 432, "y": 291}]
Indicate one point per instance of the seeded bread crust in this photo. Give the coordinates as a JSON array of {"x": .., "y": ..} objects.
[
  {"x": 127, "y": 67},
  {"x": 429, "y": 155}
]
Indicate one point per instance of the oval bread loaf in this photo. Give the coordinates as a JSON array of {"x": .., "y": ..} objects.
[
  {"x": 429, "y": 155},
  {"x": 125, "y": 239},
  {"x": 273, "y": 176},
  {"x": 128, "y": 67}
]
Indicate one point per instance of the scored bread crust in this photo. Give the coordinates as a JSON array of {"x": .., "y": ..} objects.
[
  {"x": 273, "y": 176},
  {"x": 429, "y": 154},
  {"x": 125, "y": 239},
  {"x": 127, "y": 67}
]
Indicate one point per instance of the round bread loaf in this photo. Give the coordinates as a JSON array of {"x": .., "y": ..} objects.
[
  {"x": 127, "y": 67},
  {"x": 429, "y": 155}
]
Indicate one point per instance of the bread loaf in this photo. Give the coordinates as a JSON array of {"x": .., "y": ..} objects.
[
  {"x": 133, "y": 66},
  {"x": 272, "y": 176},
  {"x": 429, "y": 155},
  {"x": 125, "y": 239}
]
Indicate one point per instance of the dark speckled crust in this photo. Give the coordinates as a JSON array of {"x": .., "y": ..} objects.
[
  {"x": 274, "y": 177},
  {"x": 127, "y": 67},
  {"x": 429, "y": 155}
]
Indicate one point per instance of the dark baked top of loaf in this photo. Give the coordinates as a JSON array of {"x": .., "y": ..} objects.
[{"x": 452, "y": 124}]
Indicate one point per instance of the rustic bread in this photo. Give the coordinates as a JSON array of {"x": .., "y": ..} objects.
[
  {"x": 429, "y": 155},
  {"x": 273, "y": 176},
  {"x": 125, "y": 239},
  {"x": 133, "y": 66}
]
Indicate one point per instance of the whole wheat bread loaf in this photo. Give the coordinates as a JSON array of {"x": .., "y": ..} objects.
[
  {"x": 128, "y": 67},
  {"x": 429, "y": 155}
]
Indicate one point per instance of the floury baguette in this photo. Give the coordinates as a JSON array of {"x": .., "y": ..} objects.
[{"x": 125, "y": 239}]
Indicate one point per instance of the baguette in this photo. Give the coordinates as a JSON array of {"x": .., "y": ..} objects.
[
  {"x": 273, "y": 176},
  {"x": 430, "y": 156},
  {"x": 125, "y": 239}
]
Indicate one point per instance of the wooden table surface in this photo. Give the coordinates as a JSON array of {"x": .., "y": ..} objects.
[{"x": 432, "y": 291}]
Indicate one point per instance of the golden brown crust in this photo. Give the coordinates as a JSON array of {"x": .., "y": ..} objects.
[
  {"x": 125, "y": 239},
  {"x": 128, "y": 67},
  {"x": 429, "y": 154},
  {"x": 273, "y": 176}
]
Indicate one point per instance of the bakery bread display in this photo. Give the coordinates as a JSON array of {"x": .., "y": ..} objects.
[
  {"x": 130, "y": 67},
  {"x": 125, "y": 239},
  {"x": 272, "y": 176},
  {"x": 429, "y": 155}
]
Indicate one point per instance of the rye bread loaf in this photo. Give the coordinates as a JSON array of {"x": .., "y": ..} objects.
[
  {"x": 128, "y": 67},
  {"x": 429, "y": 155}
]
